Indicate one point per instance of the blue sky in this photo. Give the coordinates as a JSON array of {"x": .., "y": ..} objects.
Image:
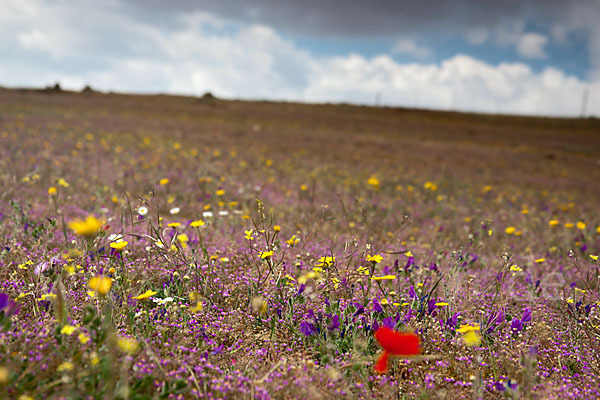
[{"x": 535, "y": 57}]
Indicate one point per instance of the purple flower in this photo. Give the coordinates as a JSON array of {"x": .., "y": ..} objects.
[
  {"x": 359, "y": 309},
  {"x": 307, "y": 328},
  {"x": 516, "y": 325},
  {"x": 411, "y": 292},
  {"x": 431, "y": 307},
  {"x": 335, "y": 322},
  {"x": 389, "y": 322},
  {"x": 8, "y": 308},
  {"x": 452, "y": 321},
  {"x": 526, "y": 317},
  {"x": 494, "y": 320},
  {"x": 41, "y": 267},
  {"x": 376, "y": 306}
]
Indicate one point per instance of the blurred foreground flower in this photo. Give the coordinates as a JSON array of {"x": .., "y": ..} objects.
[
  {"x": 87, "y": 228},
  {"x": 100, "y": 284},
  {"x": 470, "y": 333},
  {"x": 127, "y": 345},
  {"x": 395, "y": 344}
]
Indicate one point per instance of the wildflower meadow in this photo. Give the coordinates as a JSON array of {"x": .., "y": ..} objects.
[{"x": 162, "y": 247}]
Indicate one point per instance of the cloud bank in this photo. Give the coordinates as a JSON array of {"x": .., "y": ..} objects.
[{"x": 193, "y": 52}]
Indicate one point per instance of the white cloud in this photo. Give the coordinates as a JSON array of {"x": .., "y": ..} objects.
[
  {"x": 531, "y": 45},
  {"x": 407, "y": 46},
  {"x": 203, "y": 53},
  {"x": 460, "y": 82}
]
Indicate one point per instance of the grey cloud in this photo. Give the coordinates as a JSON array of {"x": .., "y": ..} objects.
[{"x": 343, "y": 18}]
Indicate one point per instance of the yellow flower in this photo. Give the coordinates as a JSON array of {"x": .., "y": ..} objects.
[
  {"x": 87, "y": 228},
  {"x": 220, "y": 192},
  {"x": 304, "y": 278},
  {"x": 83, "y": 338},
  {"x": 593, "y": 257},
  {"x": 510, "y": 230},
  {"x": 127, "y": 345},
  {"x": 430, "y": 186},
  {"x": 120, "y": 245},
  {"x": 464, "y": 328},
  {"x": 580, "y": 225},
  {"x": 197, "y": 224},
  {"x": 569, "y": 225},
  {"x": 146, "y": 295},
  {"x": 598, "y": 230},
  {"x": 22, "y": 295},
  {"x": 277, "y": 228},
  {"x": 197, "y": 307},
  {"x": 326, "y": 261},
  {"x": 292, "y": 241},
  {"x": 540, "y": 260},
  {"x": 52, "y": 190},
  {"x": 65, "y": 366},
  {"x": 100, "y": 284},
  {"x": 63, "y": 183},
  {"x": 68, "y": 330},
  {"x": 384, "y": 278},
  {"x": 174, "y": 224},
  {"x": 553, "y": 222},
  {"x": 376, "y": 259},
  {"x": 266, "y": 254},
  {"x": 441, "y": 304},
  {"x": 373, "y": 182},
  {"x": 384, "y": 302},
  {"x": 164, "y": 181},
  {"x": 471, "y": 338}
]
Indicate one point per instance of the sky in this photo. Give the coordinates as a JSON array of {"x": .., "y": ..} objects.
[{"x": 538, "y": 57}]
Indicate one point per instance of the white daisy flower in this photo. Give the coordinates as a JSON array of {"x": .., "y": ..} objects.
[
  {"x": 115, "y": 237},
  {"x": 207, "y": 214},
  {"x": 175, "y": 210},
  {"x": 143, "y": 210},
  {"x": 223, "y": 213},
  {"x": 162, "y": 301}
]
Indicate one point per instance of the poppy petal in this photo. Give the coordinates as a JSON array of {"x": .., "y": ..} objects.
[
  {"x": 382, "y": 363},
  {"x": 398, "y": 343}
]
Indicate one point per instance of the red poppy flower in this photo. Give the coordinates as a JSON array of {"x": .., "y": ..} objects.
[{"x": 396, "y": 344}]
